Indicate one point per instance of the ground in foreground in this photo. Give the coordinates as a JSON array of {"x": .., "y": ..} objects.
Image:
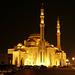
[{"x": 64, "y": 71}]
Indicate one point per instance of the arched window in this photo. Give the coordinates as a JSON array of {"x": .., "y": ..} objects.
[
  {"x": 22, "y": 63},
  {"x": 16, "y": 61}
]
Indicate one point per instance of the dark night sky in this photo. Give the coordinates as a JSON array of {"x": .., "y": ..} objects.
[{"x": 20, "y": 19}]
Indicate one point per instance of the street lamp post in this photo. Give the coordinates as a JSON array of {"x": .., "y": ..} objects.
[{"x": 67, "y": 62}]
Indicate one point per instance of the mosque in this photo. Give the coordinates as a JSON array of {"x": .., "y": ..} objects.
[{"x": 37, "y": 51}]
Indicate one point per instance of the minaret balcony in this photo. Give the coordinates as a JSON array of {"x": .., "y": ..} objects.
[
  {"x": 42, "y": 25},
  {"x": 42, "y": 16}
]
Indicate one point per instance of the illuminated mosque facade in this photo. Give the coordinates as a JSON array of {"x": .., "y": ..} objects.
[{"x": 37, "y": 51}]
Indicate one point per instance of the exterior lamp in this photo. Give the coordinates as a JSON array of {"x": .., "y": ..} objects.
[{"x": 73, "y": 58}]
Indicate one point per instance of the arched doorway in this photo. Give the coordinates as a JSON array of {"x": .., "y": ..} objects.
[
  {"x": 16, "y": 61},
  {"x": 22, "y": 63}
]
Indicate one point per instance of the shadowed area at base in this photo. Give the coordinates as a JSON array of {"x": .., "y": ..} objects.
[{"x": 25, "y": 72}]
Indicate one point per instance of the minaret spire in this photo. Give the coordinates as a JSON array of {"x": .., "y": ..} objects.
[
  {"x": 42, "y": 25},
  {"x": 58, "y": 22},
  {"x": 58, "y": 34}
]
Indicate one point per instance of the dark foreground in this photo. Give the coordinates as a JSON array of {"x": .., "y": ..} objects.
[{"x": 46, "y": 72}]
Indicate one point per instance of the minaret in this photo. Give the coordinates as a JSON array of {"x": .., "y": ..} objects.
[
  {"x": 42, "y": 41},
  {"x": 42, "y": 25},
  {"x": 58, "y": 34}
]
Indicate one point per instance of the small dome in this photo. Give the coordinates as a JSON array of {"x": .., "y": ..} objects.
[
  {"x": 52, "y": 45},
  {"x": 19, "y": 44}
]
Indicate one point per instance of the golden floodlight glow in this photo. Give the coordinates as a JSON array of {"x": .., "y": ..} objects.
[
  {"x": 18, "y": 47},
  {"x": 42, "y": 21},
  {"x": 58, "y": 24},
  {"x": 67, "y": 60},
  {"x": 26, "y": 63},
  {"x": 47, "y": 63},
  {"x": 58, "y": 63},
  {"x": 19, "y": 44},
  {"x": 37, "y": 43},
  {"x": 27, "y": 59},
  {"x": 27, "y": 51},
  {"x": 58, "y": 31},
  {"x": 42, "y": 63},
  {"x": 23, "y": 47},
  {"x": 56, "y": 48},
  {"x": 52, "y": 45},
  {"x": 73, "y": 58},
  {"x": 42, "y": 13},
  {"x": 37, "y": 62}
]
